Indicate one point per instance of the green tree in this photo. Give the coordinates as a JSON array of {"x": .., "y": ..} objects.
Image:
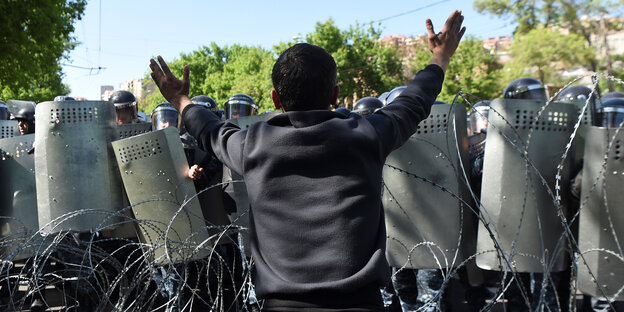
[
  {"x": 221, "y": 72},
  {"x": 549, "y": 52},
  {"x": 35, "y": 36},
  {"x": 365, "y": 66},
  {"x": 472, "y": 69}
]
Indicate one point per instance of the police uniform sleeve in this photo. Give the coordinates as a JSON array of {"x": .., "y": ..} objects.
[
  {"x": 224, "y": 139},
  {"x": 397, "y": 121}
]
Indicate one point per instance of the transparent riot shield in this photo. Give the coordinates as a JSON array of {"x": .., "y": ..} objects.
[
  {"x": 238, "y": 190},
  {"x": 8, "y": 129},
  {"x": 601, "y": 229},
  {"x": 128, "y": 130},
  {"x": 77, "y": 187},
  {"x": 18, "y": 206},
  {"x": 164, "y": 201},
  {"x": 516, "y": 204},
  {"x": 428, "y": 223}
]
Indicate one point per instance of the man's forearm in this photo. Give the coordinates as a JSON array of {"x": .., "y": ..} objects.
[
  {"x": 181, "y": 103},
  {"x": 440, "y": 60}
]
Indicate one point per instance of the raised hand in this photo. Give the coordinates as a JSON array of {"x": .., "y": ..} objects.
[
  {"x": 173, "y": 89},
  {"x": 444, "y": 43}
]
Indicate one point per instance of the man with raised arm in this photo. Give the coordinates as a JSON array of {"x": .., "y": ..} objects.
[{"x": 314, "y": 176}]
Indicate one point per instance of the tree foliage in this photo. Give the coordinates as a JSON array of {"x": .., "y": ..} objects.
[
  {"x": 472, "y": 69},
  {"x": 548, "y": 52},
  {"x": 221, "y": 72},
  {"x": 366, "y": 67},
  {"x": 530, "y": 14},
  {"x": 35, "y": 36}
]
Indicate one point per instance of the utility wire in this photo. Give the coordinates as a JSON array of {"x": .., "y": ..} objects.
[{"x": 410, "y": 12}]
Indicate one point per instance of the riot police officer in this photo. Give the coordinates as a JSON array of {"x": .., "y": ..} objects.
[
  {"x": 526, "y": 89},
  {"x": 393, "y": 94},
  {"x": 4, "y": 111},
  {"x": 25, "y": 117},
  {"x": 612, "y": 95},
  {"x": 610, "y": 113},
  {"x": 574, "y": 93},
  {"x": 61, "y": 98},
  {"x": 164, "y": 116},
  {"x": 125, "y": 107},
  {"x": 240, "y": 105},
  {"x": 477, "y": 126},
  {"x": 366, "y": 106}
]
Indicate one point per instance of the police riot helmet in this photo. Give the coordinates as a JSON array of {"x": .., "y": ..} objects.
[
  {"x": 610, "y": 113},
  {"x": 342, "y": 110},
  {"x": 26, "y": 112},
  {"x": 165, "y": 116},
  {"x": 25, "y": 115},
  {"x": 4, "y": 111},
  {"x": 366, "y": 106},
  {"x": 394, "y": 93},
  {"x": 527, "y": 89},
  {"x": 125, "y": 106},
  {"x": 574, "y": 93},
  {"x": 612, "y": 95},
  {"x": 384, "y": 97},
  {"x": 205, "y": 101},
  {"x": 478, "y": 117},
  {"x": 62, "y": 98},
  {"x": 240, "y": 105}
]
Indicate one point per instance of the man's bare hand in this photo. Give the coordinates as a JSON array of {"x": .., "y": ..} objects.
[
  {"x": 195, "y": 172},
  {"x": 173, "y": 89},
  {"x": 444, "y": 43}
]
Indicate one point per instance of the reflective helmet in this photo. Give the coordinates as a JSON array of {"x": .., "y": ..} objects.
[
  {"x": 527, "y": 89},
  {"x": 165, "y": 116},
  {"x": 478, "y": 118},
  {"x": 610, "y": 113},
  {"x": 26, "y": 112},
  {"x": 4, "y": 111},
  {"x": 240, "y": 105},
  {"x": 125, "y": 106},
  {"x": 342, "y": 110},
  {"x": 394, "y": 93},
  {"x": 573, "y": 93},
  {"x": 62, "y": 98},
  {"x": 205, "y": 101},
  {"x": 366, "y": 106},
  {"x": 612, "y": 95},
  {"x": 384, "y": 97}
]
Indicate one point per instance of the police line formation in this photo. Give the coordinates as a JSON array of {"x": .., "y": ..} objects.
[{"x": 103, "y": 210}]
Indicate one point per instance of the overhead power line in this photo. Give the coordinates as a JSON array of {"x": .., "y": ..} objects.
[{"x": 410, "y": 11}]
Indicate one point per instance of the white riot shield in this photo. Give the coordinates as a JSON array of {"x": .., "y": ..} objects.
[
  {"x": 8, "y": 129},
  {"x": 601, "y": 229},
  {"x": 516, "y": 205},
  {"x": 164, "y": 201},
  {"x": 77, "y": 187},
  {"x": 18, "y": 206},
  {"x": 425, "y": 195}
]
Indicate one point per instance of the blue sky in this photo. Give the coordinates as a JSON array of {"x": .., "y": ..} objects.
[{"x": 121, "y": 36}]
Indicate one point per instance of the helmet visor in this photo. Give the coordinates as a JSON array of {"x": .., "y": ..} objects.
[
  {"x": 479, "y": 119},
  {"x": 612, "y": 117},
  {"x": 4, "y": 113},
  {"x": 237, "y": 110},
  {"x": 164, "y": 119}
]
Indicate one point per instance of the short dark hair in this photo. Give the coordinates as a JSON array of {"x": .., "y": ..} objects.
[{"x": 304, "y": 77}]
